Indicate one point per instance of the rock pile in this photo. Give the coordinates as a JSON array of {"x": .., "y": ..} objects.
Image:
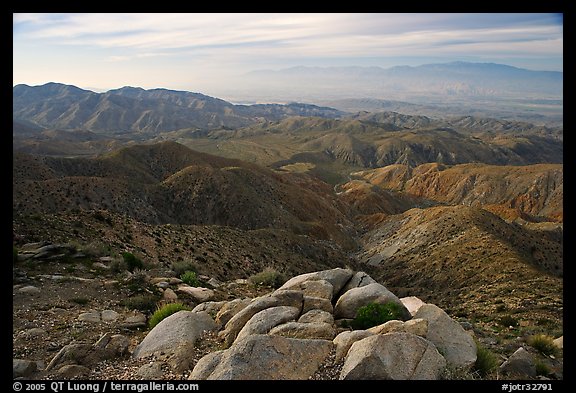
[{"x": 291, "y": 332}]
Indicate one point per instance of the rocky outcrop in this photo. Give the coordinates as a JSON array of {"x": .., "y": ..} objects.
[
  {"x": 174, "y": 337},
  {"x": 286, "y": 335},
  {"x": 400, "y": 356},
  {"x": 264, "y": 357},
  {"x": 457, "y": 346}
]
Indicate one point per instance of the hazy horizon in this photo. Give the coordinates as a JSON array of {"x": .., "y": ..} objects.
[{"x": 209, "y": 53}]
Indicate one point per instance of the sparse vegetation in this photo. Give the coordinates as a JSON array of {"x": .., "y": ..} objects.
[
  {"x": 508, "y": 320},
  {"x": 164, "y": 312},
  {"x": 486, "y": 361},
  {"x": 80, "y": 300},
  {"x": 542, "y": 368},
  {"x": 268, "y": 277},
  {"x": 374, "y": 314},
  {"x": 145, "y": 303},
  {"x": 543, "y": 344},
  {"x": 181, "y": 267}
]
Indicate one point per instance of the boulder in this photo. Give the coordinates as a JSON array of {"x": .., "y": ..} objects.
[
  {"x": 23, "y": 368},
  {"x": 229, "y": 309},
  {"x": 416, "y": 326},
  {"x": 72, "y": 371},
  {"x": 265, "y": 320},
  {"x": 29, "y": 290},
  {"x": 174, "y": 338},
  {"x": 109, "y": 315},
  {"x": 211, "y": 308},
  {"x": 169, "y": 295},
  {"x": 359, "y": 279},
  {"x": 317, "y": 330},
  {"x": 317, "y": 303},
  {"x": 412, "y": 303},
  {"x": 457, "y": 346},
  {"x": 559, "y": 342},
  {"x": 278, "y": 298},
  {"x": 265, "y": 357},
  {"x": 206, "y": 365},
  {"x": 316, "y": 316},
  {"x": 344, "y": 341},
  {"x": 150, "y": 371},
  {"x": 397, "y": 356},
  {"x": 134, "y": 320},
  {"x": 198, "y": 294},
  {"x": 337, "y": 277},
  {"x": 92, "y": 316},
  {"x": 519, "y": 365},
  {"x": 349, "y": 303}
]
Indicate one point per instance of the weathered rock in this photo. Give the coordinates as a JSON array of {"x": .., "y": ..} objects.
[
  {"x": 174, "y": 338},
  {"x": 71, "y": 371},
  {"x": 151, "y": 371},
  {"x": 412, "y": 303},
  {"x": 75, "y": 353},
  {"x": 230, "y": 309},
  {"x": 163, "y": 284},
  {"x": 559, "y": 342},
  {"x": 92, "y": 316},
  {"x": 316, "y": 316},
  {"x": 344, "y": 341},
  {"x": 520, "y": 365},
  {"x": 29, "y": 290},
  {"x": 198, "y": 294},
  {"x": 398, "y": 356},
  {"x": 206, "y": 365},
  {"x": 23, "y": 368},
  {"x": 134, "y": 321},
  {"x": 317, "y": 330},
  {"x": 211, "y": 308},
  {"x": 169, "y": 295},
  {"x": 109, "y": 315},
  {"x": 359, "y": 279},
  {"x": 315, "y": 288},
  {"x": 457, "y": 346},
  {"x": 265, "y": 320},
  {"x": 265, "y": 357},
  {"x": 349, "y": 303},
  {"x": 388, "y": 327},
  {"x": 416, "y": 326},
  {"x": 278, "y": 298},
  {"x": 34, "y": 332},
  {"x": 337, "y": 277},
  {"x": 317, "y": 303}
]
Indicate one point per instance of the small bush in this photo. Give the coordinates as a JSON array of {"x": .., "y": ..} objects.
[
  {"x": 182, "y": 267},
  {"x": 145, "y": 303},
  {"x": 543, "y": 344},
  {"x": 507, "y": 321},
  {"x": 189, "y": 277},
  {"x": 374, "y": 314},
  {"x": 165, "y": 311},
  {"x": 486, "y": 361},
  {"x": 132, "y": 261},
  {"x": 542, "y": 368},
  {"x": 268, "y": 277}
]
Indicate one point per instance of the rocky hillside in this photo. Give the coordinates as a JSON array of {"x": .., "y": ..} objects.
[
  {"x": 534, "y": 192},
  {"x": 168, "y": 183},
  {"x": 466, "y": 259}
]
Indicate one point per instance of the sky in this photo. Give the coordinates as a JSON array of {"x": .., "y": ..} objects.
[{"x": 205, "y": 52}]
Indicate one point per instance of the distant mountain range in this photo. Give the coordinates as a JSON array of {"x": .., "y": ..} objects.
[
  {"x": 135, "y": 110},
  {"x": 447, "y": 79}
]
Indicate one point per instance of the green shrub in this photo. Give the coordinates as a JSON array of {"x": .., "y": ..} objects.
[
  {"x": 132, "y": 261},
  {"x": 145, "y": 303},
  {"x": 164, "y": 312},
  {"x": 268, "y": 277},
  {"x": 189, "y": 277},
  {"x": 543, "y": 344},
  {"x": 486, "y": 361},
  {"x": 374, "y": 314}
]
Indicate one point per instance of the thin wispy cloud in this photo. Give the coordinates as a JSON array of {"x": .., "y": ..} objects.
[{"x": 245, "y": 42}]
